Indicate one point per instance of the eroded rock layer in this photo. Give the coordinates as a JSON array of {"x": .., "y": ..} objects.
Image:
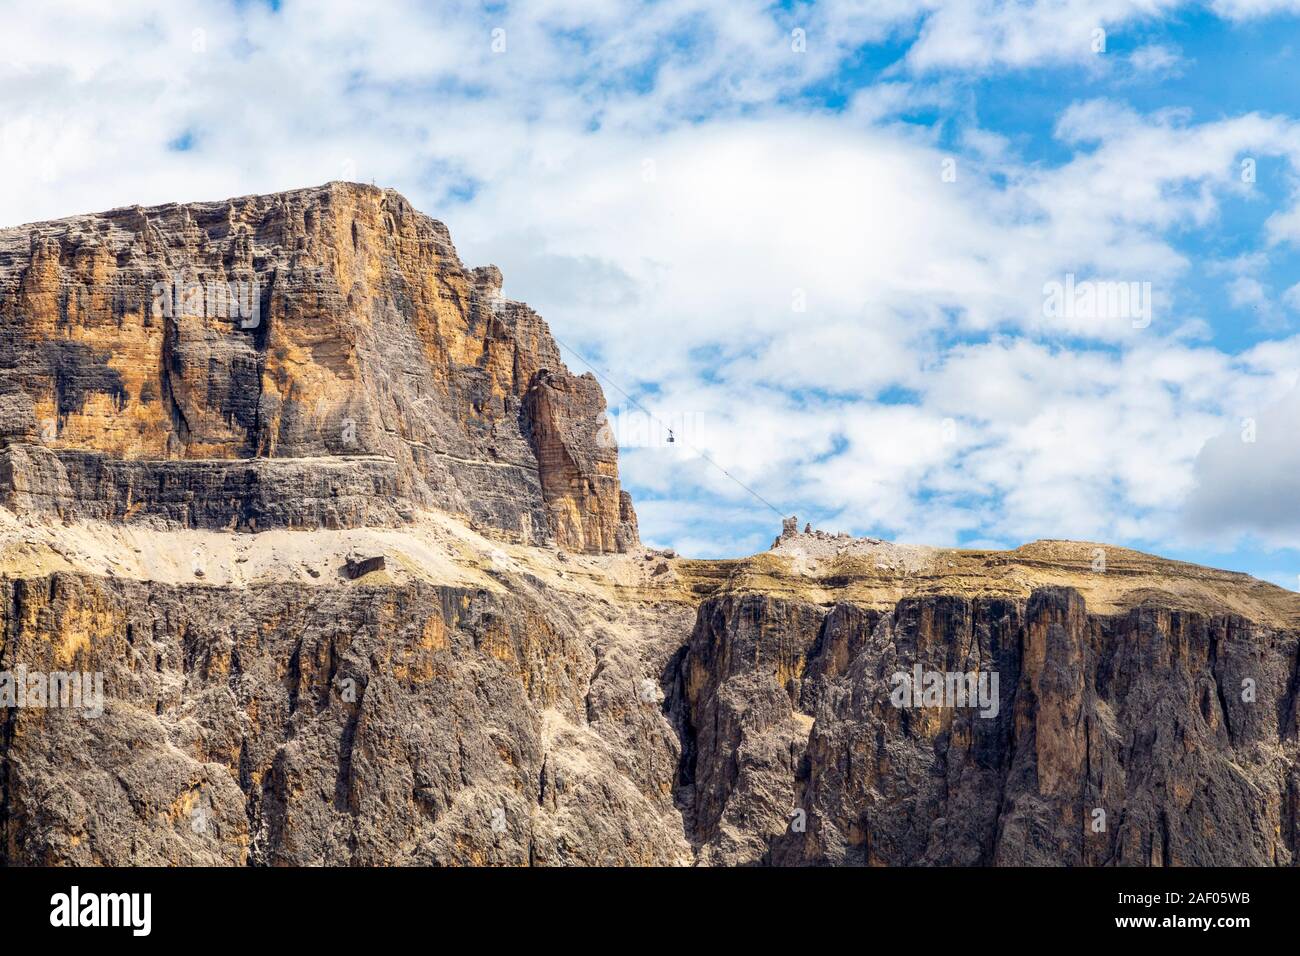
[
  {"x": 375, "y": 725},
  {"x": 1151, "y": 737},
  {"x": 199, "y": 363}
]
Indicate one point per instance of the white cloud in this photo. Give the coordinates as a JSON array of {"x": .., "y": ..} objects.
[
  {"x": 1291, "y": 297},
  {"x": 809, "y": 285},
  {"x": 979, "y": 34},
  {"x": 1248, "y": 477},
  {"x": 1251, "y": 9},
  {"x": 1284, "y": 226},
  {"x": 1156, "y": 58},
  {"x": 1247, "y": 292}
]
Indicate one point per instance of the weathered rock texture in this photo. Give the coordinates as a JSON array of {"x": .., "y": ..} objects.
[
  {"x": 1137, "y": 715},
  {"x": 204, "y": 363},
  {"x": 362, "y": 588},
  {"x": 374, "y": 725}
]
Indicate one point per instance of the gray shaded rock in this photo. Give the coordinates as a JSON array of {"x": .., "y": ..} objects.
[
  {"x": 358, "y": 564},
  {"x": 1117, "y": 740}
]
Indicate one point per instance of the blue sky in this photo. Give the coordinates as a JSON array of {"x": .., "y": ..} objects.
[{"x": 814, "y": 239}]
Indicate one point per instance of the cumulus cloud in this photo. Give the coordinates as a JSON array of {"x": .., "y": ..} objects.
[
  {"x": 1252, "y": 9},
  {"x": 849, "y": 307},
  {"x": 1156, "y": 58},
  {"x": 1291, "y": 297},
  {"x": 978, "y": 34},
  {"x": 1248, "y": 477}
]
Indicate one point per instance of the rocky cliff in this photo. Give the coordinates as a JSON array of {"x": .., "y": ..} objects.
[
  {"x": 318, "y": 358},
  {"x": 348, "y": 578}
]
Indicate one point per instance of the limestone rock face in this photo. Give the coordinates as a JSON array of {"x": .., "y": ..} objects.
[
  {"x": 318, "y": 358},
  {"x": 372, "y": 725},
  {"x": 1152, "y": 737},
  {"x": 578, "y": 461}
]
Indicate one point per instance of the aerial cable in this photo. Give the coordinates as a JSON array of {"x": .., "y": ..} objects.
[{"x": 622, "y": 391}]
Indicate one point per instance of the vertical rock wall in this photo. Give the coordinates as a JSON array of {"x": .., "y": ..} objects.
[{"x": 211, "y": 363}]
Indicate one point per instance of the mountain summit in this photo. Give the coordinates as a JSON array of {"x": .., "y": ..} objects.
[{"x": 315, "y": 358}]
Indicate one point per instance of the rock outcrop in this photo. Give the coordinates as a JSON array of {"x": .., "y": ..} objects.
[
  {"x": 1152, "y": 737},
  {"x": 335, "y": 568},
  {"x": 372, "y": 725},
  {"x": 318, "y": 358}
]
